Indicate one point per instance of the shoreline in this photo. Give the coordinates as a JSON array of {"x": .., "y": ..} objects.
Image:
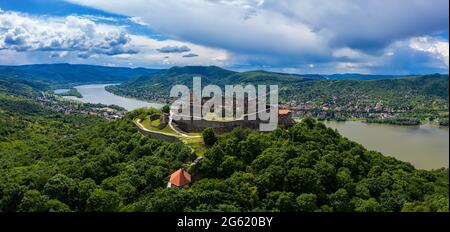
[
  {"x": 71, "y": 98},
  {"x": 133, "y": 98},
  {"x": 365, "y": 121}
]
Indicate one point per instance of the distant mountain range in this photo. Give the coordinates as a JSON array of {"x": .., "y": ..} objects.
[
  {"x": 358, "y": 76},
  {"x": 64, "y": 75},
  {"x": 72, "y": 74}
]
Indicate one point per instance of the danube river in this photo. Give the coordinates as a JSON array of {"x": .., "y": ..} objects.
[
  {"x": 97, "y": 94},
  {"x": 425, "y": 146}
]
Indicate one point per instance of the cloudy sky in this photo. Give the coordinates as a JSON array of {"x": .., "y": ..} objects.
[{"x": 298, "y": 36}]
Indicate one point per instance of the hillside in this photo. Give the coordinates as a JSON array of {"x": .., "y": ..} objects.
[
  {"x": 415, "y": 98},
  {"x": 22, "y": 86},
  {"x": 159, "y": 84},
  {"x": 403, "y": 90},
  {"x": 357, "y": 76},
  {"x": 51, "y": 162},
  {"x": 67, "y": 75}
]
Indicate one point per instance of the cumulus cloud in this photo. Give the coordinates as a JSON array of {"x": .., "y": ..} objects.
[
  {"x": 21, "y": 32},
  {"x": 437, "y": 48},
  {"x": 416, "y": 55},
  {"x": 90, "y": 39},
  {"x": 174, "y": 49}
]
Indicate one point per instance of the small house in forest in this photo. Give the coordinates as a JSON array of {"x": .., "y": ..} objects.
[{"x": 181, "y": 179}]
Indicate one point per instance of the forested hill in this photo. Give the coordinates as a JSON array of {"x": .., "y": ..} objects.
[
  {"x": 51, "y": 162},
  {"x": 358, "y": 76},
  {"x": 22, "y": 87},
  {"x": 304, "y": 88},
  {"x": 72, "y": 74},
  {"x": 160, "y": 83}
]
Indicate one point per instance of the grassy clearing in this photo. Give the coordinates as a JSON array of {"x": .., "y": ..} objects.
[
  {"x": 166, "y": 129},
  {"x": 196, "y": 143},
  {"x": 195, "y": 134},
  {"x": 155, "y": 122}
]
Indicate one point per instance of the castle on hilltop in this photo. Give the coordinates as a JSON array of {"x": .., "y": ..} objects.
[{"x": 222, "y": 123}]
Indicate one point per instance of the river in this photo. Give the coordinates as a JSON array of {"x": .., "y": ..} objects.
[
  {"x": 424, "y": 146},
  {"x": 97, "y": 94}
]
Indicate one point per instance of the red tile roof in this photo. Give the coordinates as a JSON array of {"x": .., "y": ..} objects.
[
  {"x": 180, "y": 178},
  {"x": 284, "y": 112}
]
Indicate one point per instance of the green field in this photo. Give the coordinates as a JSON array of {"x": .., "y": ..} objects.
[
  {"x": 156, "y": 122},
  {"x": 166, "y": 129},
  {"x": 196, "y": 143}
]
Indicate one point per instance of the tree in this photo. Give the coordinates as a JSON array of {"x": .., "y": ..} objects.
[
  {"x": 340, "y": 200},
  {"x": 361, "y": 190},
  {"x": 209, "y": 137},
  {"x": 55, "y": 205},
  {"x": 286, "y": 202},
  {"x": 281, "y": 201},
  {"x": 103, "y": 201},
  {"x": 85, "y": 189},
  {"x": 415, "y": 207},
  {"x": 369, "y": 205},
  {"x": 33, "y": 201},
  {"x": 252, "y": 146},
  {"x": 165, "y": 109},
  {"x": 166, "y": 200},
  {"x": 230, "y": 165},
  {"x": 62, "y": 188},
  {"x": 307, "y": 202},
  {"x": 302, "y": 180},
  {"x": 327, "y": 175},
  {"x": 11, "y": 196},
  {"x": 344, "y": 179}
]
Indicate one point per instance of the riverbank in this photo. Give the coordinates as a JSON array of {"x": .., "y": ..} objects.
[
  {"x": 97, "y": 93},
  {"x": 72, "y": 92},
  {"x": 157, "y": 100},
  {"x": 366, "y": 120}
]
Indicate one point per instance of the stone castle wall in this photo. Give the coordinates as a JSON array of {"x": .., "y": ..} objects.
[{"x": 225, "y": 126}]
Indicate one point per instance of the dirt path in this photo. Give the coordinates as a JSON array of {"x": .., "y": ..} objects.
[{"x": 178, "y": 131}]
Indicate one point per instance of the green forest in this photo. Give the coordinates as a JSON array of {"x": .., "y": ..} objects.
[{"x": 51, "y": 162}]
